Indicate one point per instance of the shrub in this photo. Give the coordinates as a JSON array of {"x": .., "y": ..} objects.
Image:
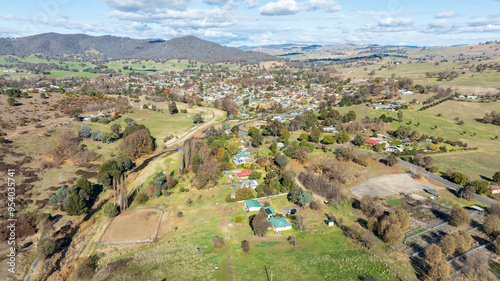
[
  {"x": 141, "y": 198},
  {"x": 46, "y": 247},
  {"x": 218, "y": 242},
  {"x": 238, "y": 219},
  {"x": 110, "y": 210},
  {"x": 245, "y": 245},
  {"x": 433, "y": 169},
  {"x": 180, "y": 214}
]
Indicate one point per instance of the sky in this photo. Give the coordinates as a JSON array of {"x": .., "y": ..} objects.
[{"x": 238, "y": 23}]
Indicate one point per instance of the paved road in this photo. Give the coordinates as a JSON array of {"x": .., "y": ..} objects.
[{"x": 488, "y": 202}]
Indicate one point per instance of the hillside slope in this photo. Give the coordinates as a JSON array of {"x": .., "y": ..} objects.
[{"x": 189, "y": 47}]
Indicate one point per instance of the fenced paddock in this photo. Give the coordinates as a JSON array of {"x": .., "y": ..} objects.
[{"x": 133, "y": 226}]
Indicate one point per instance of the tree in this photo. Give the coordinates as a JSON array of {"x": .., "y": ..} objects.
[
  {"x": 85, "y": 131},
  {"x": 344, "y": 137},
  {"x": 46, "y": 247},
  {"x": 245, "y": 245},
  {"x": 440, "y": 271},
  {"x": 496, "y": 177},
  {"x": 433, "y": 254},
  {"x": 235, "y": 129},
  {"x": 463, "y": 241},
  {"x": 494, "y": 209},
  {"x": 404, "y": 218},
  {"x": 233, "y": 146},
  {"x": 42, "y": 95},
  {"x": 252, "y": 131},
  {"x": 274, "y": 147},
  {"x": 84, "y": 184},
  {"x": 358, "y": 140},
  {"x": 196, "y": 161},
  {"x": 480, "y": 186},
  {"x": 400, "y": 116},
  {"x": 285, "y": 134},
  {"x": 11, "y": 101},
  {"x": 459, "y": 216},
  {"x": 492, "y": 225},
  {"x": 260, "y": 224},
  {"x": 467, "y": 192},
  {"x": 448, "y": 244},
  {"x": 328, "y": 139},
  {"x": 458, "y": 178},
  {"x": 281, "y": 160},
  {"x": 390, "y": 229},
  {"x": 301, "y": 154},
  {"x": 315, "y": 134},
  {"x": 172, "y": 108},
  {"x": 244, "y": 193},
  {"x": 76, "y": 205},
  {"x": 255, "y": 176},
  {"x": 391, "y": 160},
  {"x": 137, "y": 144},
  {"x": 115, "y": 129},
  {"x": 258, "y": 138},
  {"x": 304, "y": 136},
  {"x": 110, "y": 210},
  {"x": 301, "y": 197},
  {"x": 197, "y": 118},
  {"x": 497, "y": 245}
]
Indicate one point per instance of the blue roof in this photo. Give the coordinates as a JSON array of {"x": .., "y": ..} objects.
[
  {"x": 279, "y": 222},
  {"x": 252, "y": 203}
]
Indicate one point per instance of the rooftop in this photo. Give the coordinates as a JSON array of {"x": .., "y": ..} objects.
[
  {"x": 279, "y": 222},
  {"x": 252, "y": 204}
]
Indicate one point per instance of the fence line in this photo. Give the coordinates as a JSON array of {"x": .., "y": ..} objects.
[
  {"x": 133, "y": 241},
  {"x": 270, "y": 196}
]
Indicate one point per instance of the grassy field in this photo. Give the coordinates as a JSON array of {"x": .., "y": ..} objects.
[
  {"x": 468, "y": 83},
  {"x": 476, "y": 165},
  {"x": 144, "y": 66},
  {"x": 323, "y": 253},
  {"x": 482, "y": 162}
]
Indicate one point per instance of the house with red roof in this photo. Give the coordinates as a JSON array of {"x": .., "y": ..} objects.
[
  {"x": 494, "y": 189},
  {"x": 372, "y": 141},
  {"x": 244, "y": 174}
]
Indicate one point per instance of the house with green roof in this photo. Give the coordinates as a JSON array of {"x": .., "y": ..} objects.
[
  {"x": 270, "y": 211},
  {"x": 252, "y": 205},
  {"x": 280, "y": 224}
]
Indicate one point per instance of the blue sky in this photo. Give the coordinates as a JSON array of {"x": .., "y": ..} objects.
[{"x": 260, "y": 22}]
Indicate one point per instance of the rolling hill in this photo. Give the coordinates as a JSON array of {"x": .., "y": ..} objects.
[{"x": 61, "y": 46}]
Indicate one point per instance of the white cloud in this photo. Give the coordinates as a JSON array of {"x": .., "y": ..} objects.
[
  {"x": 392, "y": 22},
  {"x": 151, "y": 5},
  {"x": 215, "y": 2},
  {"x": 373, "y": 13},
  {"x": 438, "y": 24},
  {"x": 448, "y": 14},
  {"x": 251, "y": 3},
  {"x": 484, "y": 21},
  {"x": 282, "y": 7},
  {"x": 329, "y": 6},
  {"x": 290, "y": 7}
]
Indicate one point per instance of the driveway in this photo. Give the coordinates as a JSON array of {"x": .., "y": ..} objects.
[{"x": 289, "y": 208}]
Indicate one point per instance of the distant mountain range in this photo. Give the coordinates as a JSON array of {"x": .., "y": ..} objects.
[
  {"x": 305, "y": 52},
  {"x": 111, "y": 47}
]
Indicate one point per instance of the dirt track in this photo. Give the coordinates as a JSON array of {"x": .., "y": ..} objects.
[
  {"x": 140, "y": 224},
  {"x": 389, "y": 185}
]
